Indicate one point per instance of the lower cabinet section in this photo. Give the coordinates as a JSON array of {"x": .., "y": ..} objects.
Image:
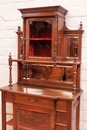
[
  {"x": 27, "y": 112},
  {"x": 35, "y": 118}
]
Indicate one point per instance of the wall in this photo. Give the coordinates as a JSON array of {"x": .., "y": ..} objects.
[{"x": 10, "y": 19}]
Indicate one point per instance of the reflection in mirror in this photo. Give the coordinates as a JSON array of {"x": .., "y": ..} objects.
[{"x": 72, "y": 46}]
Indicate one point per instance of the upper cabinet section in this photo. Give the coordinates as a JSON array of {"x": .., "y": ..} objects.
[
  {"x": 49, "y": 53},
  {"x": 45, "y": 36},
  {"x": 43, "y": 28}
]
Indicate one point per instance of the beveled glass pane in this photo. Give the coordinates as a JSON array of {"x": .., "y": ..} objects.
[{"x": 72, "y": 46}]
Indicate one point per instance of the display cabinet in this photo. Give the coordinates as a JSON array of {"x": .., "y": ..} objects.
[{"x": 47, "y": 93}]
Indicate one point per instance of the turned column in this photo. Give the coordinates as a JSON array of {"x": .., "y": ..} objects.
[
  {"x": 74, "y": 76},
  {"x": 10, "y": 69}
]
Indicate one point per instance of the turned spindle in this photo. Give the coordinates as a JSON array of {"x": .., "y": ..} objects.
[
  {"x": 74, "y": 75},
  {"x": 10, "y": 69}
]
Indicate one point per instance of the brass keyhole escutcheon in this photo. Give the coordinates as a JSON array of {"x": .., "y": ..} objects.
[{"x": 33, "y": 100}]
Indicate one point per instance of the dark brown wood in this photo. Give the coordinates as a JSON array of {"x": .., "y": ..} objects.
[
  {"x": 10, "y": 70},
  {"x": 20, "y": 37},
  {"x": 47, "y": 93},
  {"x": 3, "y": 111}
]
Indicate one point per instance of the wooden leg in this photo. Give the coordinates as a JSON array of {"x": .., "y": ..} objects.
[
  {"x": 69, "y": 115},
  {"x": 3, "y": 112},
  {"x": 78, "y": 114}
]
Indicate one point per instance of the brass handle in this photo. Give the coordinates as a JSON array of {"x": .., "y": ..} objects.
[{"x": 33, "y": 100}]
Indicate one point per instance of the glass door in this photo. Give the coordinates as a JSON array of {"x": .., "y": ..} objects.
[{"x": 39, "y": 38}]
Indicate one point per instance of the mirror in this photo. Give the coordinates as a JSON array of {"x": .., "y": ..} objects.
[{"x": 72, "y": 49}]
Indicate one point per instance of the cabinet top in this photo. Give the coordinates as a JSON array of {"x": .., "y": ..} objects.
[
  {"x": 47, "y": 11},
  {"x": 37, "y": 91}
]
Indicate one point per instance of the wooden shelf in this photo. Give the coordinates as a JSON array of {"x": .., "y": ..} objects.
[
  {"x": 10, "y": 122},
  {"x": 48, "y": 61},
  {"x": 40, "y": 39},
  {"x": 25, "y": 128}
]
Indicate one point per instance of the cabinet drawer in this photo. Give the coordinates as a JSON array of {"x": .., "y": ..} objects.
[
  {"x": 61, "y": 117},
  {"x": 34, "y": 100},
  {"x": 59, "y": 127},
  {"x": 9, "y": 96},
  {"x": 61, "y": 105}
]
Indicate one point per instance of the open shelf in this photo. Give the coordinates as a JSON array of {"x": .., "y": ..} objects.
[
  {"x": 40, "y": 39},
  {"x": 40, "y": 48},
  {"x": 10, "y": 122}
]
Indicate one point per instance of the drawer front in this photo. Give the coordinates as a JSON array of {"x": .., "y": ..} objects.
[
  {"x": 9, "y": 96},
  {"x": 61, "y": 118},
  {"x": 61, "y": 105},
  {"x": 59, "y": 127},
  {"x": 61, "y": 115},
  {"x": 34, "y": 100}
]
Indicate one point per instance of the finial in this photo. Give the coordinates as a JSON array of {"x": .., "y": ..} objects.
[
  {"x": 81, "y": 25},
  {"x": 19, "y": 28},
  {"x": 10, "y": 56}
]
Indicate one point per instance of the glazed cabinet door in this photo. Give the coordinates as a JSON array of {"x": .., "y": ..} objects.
[
  {"x": 30, "y": 118},
  {"x": 39, "y": 35}
]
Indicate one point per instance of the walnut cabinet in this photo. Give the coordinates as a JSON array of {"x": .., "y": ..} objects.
[{"x": 47, "y": 93}]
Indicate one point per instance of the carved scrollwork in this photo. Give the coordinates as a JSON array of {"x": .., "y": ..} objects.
[
  {"x": 57, "y": 73},
  {"x": 47, "y": 72},
  {"x": 42, "y": 72}
]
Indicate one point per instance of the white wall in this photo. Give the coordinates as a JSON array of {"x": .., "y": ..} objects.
[{"x": 10, "y": 19}]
